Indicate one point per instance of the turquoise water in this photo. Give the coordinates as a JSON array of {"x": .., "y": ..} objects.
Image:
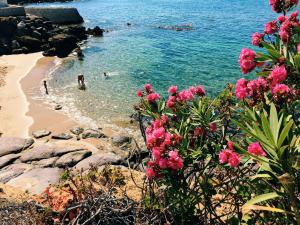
[{"x": 142, "y": 53}]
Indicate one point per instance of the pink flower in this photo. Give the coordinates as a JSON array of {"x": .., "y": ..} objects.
[
  {"x": 257, "y": 86},
  {"x": 193, "y": 90},
  {"x": 230, "y": 145},
  {"x": 282, "y": 5},
  {"x": 163, "y": 163},
  {"x": 280, "y": 89},
  {"x": 295, "y": 14},
  {"x": 246, "y": 60},
  {"x": 198, "y": 131},
  {"x": 153, "y": 97},
  {"x": 257, "y": 38},
  {"x": 139, "y": 93},
  {"x": 241, "y": 90},
  {"x": 256, "y": 149},
  {"x": 281, "y": 18},
  {"x": 213, "y": 127},
  {"x": 148, "y": 88},
  {"x": 172, "y": 90},
  {"x": 298, "y": 48},
  {"x": 156, "y": 153},
  {"x": 234, "y": 159},
  {"x": 224, "y": 156},
  {"x": 271, "y": 27},
  {"x": 159, "y": 133},
  {"x": 185, "y": 95},
  {"x": 200, "y": 90},
  {"x": 284, "y": 36},
  {"x": 278, "y": 75},
  {"x": 150, "y": 173},
  {"x": 171, "y": 102}
]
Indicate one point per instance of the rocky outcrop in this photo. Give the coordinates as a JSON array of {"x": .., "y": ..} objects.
[
  {"x": 9, "y": 145},
  {"x": 41, "y": 133},
  {"x": 58, "y": 15},
  {"x": 72, "y": 158}
]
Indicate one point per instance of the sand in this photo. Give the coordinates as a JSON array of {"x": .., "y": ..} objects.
[{"x": 13, "y": 119}]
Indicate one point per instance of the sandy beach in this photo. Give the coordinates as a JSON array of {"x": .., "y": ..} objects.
[
  {"x": 21, "y": 77},
  {"x": 14, "y": 121}
]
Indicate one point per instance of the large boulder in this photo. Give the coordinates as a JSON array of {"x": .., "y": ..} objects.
[
  {"x": 72, "y": 158},
  {"x": 8, "y": 26},
  {"x": 33, "y": 44},
  {"x": 8, "y": 159},
  {"x": 78, "y": 31},
  {"x": 9, "y": 145},
  {"x": 63, "y": 43},
  {"x": 98, "y": 160},
  {"x": 37, "y": 180}
]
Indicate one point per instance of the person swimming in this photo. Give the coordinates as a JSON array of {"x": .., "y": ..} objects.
[{"x": 81, "y": 84}]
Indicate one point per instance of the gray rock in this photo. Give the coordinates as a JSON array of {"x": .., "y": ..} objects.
[
  {"x": 41, "y": 133},
  {"x": 36, "y": 34},
  {"x": 8, "y": 159},
  {"x": 46, "y": 151},
  {"x": 76, "y": 130},
  {"x": 9, "y": 172},
  {"x": 37, "y": 180},
  {"x": 119, "y": 140},
  {"x": 9, "y": 145},
  {"x": 15, "y": 44},
  {"x": 98, "y": 160},
  {"x": 58, "y": 107},
  {"x": 92, "y": 133},
  {"x": 21, "y": 25},
  {"x": 45, "y": 162},
  {"x": 62, "y": 136},
  {"x": 71, "y": 159}
]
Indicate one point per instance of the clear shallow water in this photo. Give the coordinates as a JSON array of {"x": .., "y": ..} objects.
[{"x": 142, "y": 53}]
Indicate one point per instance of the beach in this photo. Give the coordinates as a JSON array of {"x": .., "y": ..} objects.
[{"x": 21, "y": 113}]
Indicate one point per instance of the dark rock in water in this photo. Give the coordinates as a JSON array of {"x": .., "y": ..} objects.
[
  {"x": 62, "y": 136},
  {"x": 9, "y": 145},
  {"x": 120, "y": 140},
  {"x": 178, "y": 27},
  {"x": 92, "y": 133},
  {"x": 8, "y": 159},
  {"x": 41, "y": 133},
  {"x": 36, "y": 180},
  {"x": 72, "y": 158},
  {"x": 98, "y": 160},
  {"x": 78, "y": 31},
  {"x": 77, "y": 130},
  {"x": 58, "y": 107},
  {"x": 63, "y": 43},
  {"x": 97, "y": 31}
]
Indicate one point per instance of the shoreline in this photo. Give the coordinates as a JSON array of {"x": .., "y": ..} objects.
[{"x": 13, "y": 101}]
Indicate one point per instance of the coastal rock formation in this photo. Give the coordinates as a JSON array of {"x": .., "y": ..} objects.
[
  {"x": 72, "y": 158},
  {"x": 41, "y": 133},
  {"x": 63, "y": 136},
  {"x": 92, "y": 133},
  {"x": 8, "y": 159},
  {"x": 9, "y": 145}
]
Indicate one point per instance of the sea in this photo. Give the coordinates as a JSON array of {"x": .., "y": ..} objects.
[{"x": 148, "y": 51}]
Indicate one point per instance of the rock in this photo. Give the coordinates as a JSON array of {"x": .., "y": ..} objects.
[
  {"x": 46, "y": 151},
  {"x": 41, "y": 133},
  {"x": 8, "y": 26},
  {"x": 72, "y": 158},
  {"x": 97, "y": 31},
  {"x": 33, "y": 44},
  {"x": 45, "y": 162},
  {"x": 8, "y": 159},
  {"x": 17, "y": 51},
  {"x": 21, "y": 25},
  {"x": 36, "y": 34},
  {"x": 58, "y": 107},
  {"x": 9, "y": 172},
  {"x": 62, "y": 136},
  {"x": 77, "y": 31},
  {"x": 98, "y": 160},
  {"x": 37, "y": 180},
  {"x": 77, "y": 130},
  {"x": 119, "y": 140},
  {"x": 50, "y": 52},
  {"x": 92, "y": 133},
  {"x": 10, "y": 145},
  {"x": 63, "y": 43},
  {"x": 15, "y": 44}
]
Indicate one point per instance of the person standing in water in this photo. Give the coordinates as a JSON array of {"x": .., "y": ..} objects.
[
  {"x": 81, "y": 83},
  {"x": 46, "y": 87}
]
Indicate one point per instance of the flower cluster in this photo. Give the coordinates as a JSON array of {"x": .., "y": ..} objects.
[
  {"x": 256, "y": 149},
  {"x": 247, "y": 60},
  {"x": 253, "y": 88},
  {"x": 229, "y": 156},
  {"x": 162, "y": 145},
  {"x": 282, "y": 5},
  {"x": 183, "y": 96},
  {"x": 151, "y": 96},
  {"x": 257, "y": 39}
]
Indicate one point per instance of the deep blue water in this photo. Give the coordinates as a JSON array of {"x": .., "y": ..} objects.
[{"x": 142, "y": 53}]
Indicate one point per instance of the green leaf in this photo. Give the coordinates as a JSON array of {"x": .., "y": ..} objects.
[
  {"x": 297, "y": 61},
  {"x": 284, "y": 133},
  {"x": 262, "y": 198},
  {"x": 275, "y": 54},
  {"x": 274, "y": 125},
  {"x": 263, "y": 73}
]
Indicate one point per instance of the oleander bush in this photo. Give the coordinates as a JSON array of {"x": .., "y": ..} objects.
[{"x": 232, "y": 159}]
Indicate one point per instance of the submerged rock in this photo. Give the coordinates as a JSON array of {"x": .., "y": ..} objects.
[
  {"x": 41, "y": 133},
  {"x": 58, "y": 107},
  {"x": 10, "y": 145}
]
